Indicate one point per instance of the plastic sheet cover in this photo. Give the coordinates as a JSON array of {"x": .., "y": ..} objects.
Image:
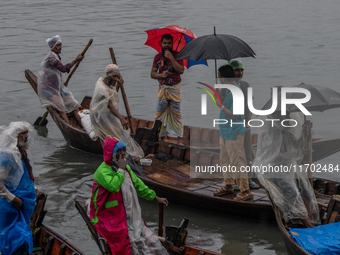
[
  {"x": 51, "y": 89},
  {"x": 142, "y": 240},
  {"x": 321, "y": 240},
  {"x": 279, "y": 146},
  {"x": 104, "y": 123},
  {"x": 11, "y": 168}
]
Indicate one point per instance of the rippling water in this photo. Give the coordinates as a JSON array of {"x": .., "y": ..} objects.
[{"x": 295, "y": 41}]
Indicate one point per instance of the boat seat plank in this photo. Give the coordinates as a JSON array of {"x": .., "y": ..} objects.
[
  {"x": 181, "y": 186},
  {"x": 168, "y": 177},
  {"x": 178, "y": 141},
  {"x": 191, "y": 186},
  {"x": 184, "y": 169},
  {"x": 203, "y": 192},
  {"x": 158, "y": 165},
  {"x": 323, "y": 200}
]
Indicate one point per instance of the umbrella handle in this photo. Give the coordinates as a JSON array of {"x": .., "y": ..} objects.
[{"x": 179, "y": 41}]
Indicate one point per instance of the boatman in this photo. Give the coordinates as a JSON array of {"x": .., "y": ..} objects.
[
  {"x": 17, "y": 192},
  {"x": 114, "y": 208},
  {"x": 51, "y": 89},
  {"x": 104, "y": 111},
  {"x": 168, "y": 72}
]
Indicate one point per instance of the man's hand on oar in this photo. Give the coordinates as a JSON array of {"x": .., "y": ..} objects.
[{"x": 79, "y": 58}]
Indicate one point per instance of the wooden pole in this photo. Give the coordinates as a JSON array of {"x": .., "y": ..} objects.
[
  {"x": 160, "y": 219},
  {"x": 308, "y": 138},
  {"x": 127, "y": 108},
  {"x": 76, "y": 66}
]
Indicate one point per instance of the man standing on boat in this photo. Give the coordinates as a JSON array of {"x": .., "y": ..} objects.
[
  {"x": 51, "y": 89},
  {"x": 231, "y": 142},
  {"x": 238, "y": 68},
  {"x": 17, "y": 191},
  {"x": 104, "y": 111},
  {"x": 168, "y": 72},
  {"x": 114, "y": 208}
]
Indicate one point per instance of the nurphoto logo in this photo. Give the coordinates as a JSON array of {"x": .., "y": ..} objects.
[{"x": 239, "y": 99}]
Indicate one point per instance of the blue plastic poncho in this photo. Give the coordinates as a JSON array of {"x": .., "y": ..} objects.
[{"x": 14, "y": 224}]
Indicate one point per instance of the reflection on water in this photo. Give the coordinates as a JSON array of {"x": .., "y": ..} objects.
[{"x": 41, "y": 131}]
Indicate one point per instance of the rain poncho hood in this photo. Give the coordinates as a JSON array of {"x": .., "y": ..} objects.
[
  {"x": 8, "y": 144},
  {"x": 105, "y": 123},
  {"x": 110, "y": 146},
  {"x": 279, "y": 146},
  {"x": 14, "y": 223},
  {"x": 53, "y": 41},
  {"x": 51, "y": 89}
]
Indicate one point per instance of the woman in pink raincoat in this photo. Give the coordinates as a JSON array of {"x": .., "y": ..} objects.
[{"x": 114, "y": 208}]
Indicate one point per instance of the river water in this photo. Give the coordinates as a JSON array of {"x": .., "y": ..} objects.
[{"x": 295, "y": 41}]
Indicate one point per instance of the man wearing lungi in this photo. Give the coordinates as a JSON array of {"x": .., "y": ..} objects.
[{"x": 168, "y": 72}]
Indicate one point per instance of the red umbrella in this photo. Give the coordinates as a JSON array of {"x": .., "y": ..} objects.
[{"x": 181, "y": 37}]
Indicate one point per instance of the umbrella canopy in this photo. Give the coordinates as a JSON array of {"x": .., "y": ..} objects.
[
  {"x": 322, "y": 99},
  {"x": 181, "y": 37},
  {"x": 216, "y": 46}
]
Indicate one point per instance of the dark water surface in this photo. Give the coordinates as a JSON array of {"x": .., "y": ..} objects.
[{"x": 295, "y": 41}]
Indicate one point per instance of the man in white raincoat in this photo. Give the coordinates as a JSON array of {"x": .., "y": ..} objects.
[
  {"x": 51, "y": 89},
  {"x": 104, "y": 111}
]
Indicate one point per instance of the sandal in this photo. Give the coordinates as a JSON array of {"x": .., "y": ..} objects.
[
  {"x": 243, "y": 197},
  {"x": 222, "y": 191},
  {"x": 253, "y": 185},
  {"x": 236, "y": 188}
]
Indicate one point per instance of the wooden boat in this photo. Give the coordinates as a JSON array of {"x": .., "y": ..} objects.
[
  {"x": 333, "y": 215},
  {"x": 174, "y": 242},
  {"x": 171, "y": 179},
  {"x": 45, "y": 240},
  {"x": 194, "y": 137}
]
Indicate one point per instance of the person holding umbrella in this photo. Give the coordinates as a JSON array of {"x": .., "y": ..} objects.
[
  {"x": 231, "y": 142},
  {"x": 238, "y": 68},
  {"x": 167, "y": 70}
]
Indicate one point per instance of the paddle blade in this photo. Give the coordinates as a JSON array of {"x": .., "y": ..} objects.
[{"x": 40, "y": 122}]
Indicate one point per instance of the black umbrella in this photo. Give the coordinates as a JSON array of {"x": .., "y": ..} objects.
[
  {"x": 322, "y": 99},
  {"x": 216, "y": 46}
]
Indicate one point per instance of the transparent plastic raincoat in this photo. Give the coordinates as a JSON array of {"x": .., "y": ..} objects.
[
  {"x": 14, "y": 223},
  {"x": 51, "y": 89},
  {"x": 291, "y": 191},
  {"x": 104, "y": 123}
]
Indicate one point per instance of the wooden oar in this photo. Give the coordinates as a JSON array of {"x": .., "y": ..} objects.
[
  {"x": 308, "y": 139},
  {"x": 123, "y": 94},
  {"x": 42, "y": 121},
  {"x": 160, "y": 219},
  {"x": 76, "y": 66}
]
